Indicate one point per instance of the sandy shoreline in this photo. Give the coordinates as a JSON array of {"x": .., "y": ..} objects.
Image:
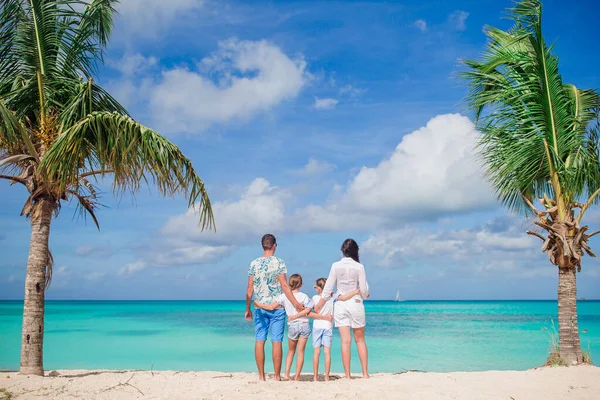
[{"x": 542, "y": 383}]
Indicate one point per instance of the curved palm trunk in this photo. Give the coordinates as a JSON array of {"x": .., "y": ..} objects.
[
  {"x": 570, "y": 347},
  {"x": 32, "y": 339}
]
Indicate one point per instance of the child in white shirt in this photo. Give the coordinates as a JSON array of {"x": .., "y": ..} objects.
[{"x": 323, "y": 328}]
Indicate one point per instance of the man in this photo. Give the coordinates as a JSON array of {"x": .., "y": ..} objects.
[{"x": 267, "y": 280}]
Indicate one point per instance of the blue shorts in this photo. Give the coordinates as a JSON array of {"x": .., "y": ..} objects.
[
  {"x": 265, "y": 321},
  {"x": 322, "y": 337}
]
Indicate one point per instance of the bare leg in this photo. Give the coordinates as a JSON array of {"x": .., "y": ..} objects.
[
  {"x": 300, "y": 359},
  {"x": 346, "y": 341},
  {"x": 363, "y": 354},
  {"x": 259, "y": 354},
  {"x": 277, "y": 356},
  {"x": 316, "y": 355},
  {"x": 327, "y": 351},
  {"x": 290, "y": 357}
]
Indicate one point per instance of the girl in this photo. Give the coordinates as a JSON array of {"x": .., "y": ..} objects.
[{"x": 323, "y": 329}]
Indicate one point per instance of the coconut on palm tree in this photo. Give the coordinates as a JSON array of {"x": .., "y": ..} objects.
[
  {"x": 539, "y": 140},
  {"x": 60, "y": 132}
]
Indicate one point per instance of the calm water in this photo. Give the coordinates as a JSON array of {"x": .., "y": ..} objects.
[{"x": 212, "y": 335}]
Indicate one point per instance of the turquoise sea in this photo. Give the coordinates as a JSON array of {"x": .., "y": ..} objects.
[{"x": 212, "y": 335}]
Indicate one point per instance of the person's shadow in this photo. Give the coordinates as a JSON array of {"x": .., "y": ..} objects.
[{"x": 309, "y": 378}]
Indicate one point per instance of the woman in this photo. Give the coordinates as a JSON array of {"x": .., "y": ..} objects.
[{"x": 349, "y": 274}]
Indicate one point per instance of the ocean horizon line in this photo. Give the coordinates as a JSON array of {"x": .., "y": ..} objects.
[{"x": 242, "y": 300}]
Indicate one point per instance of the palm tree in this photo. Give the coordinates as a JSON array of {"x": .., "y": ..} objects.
[
  {"x": 60, "y": 131},
  {"x": 539, "y": 139}
]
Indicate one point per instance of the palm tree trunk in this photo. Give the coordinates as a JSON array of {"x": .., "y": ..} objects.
[
  {"x": 568, "y": 330},
  {"x": 32, "y": 339}
]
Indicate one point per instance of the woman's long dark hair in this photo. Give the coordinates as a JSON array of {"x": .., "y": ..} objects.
[{"x": 350, "y": 249}]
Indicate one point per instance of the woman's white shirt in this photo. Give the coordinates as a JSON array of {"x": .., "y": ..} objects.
[{"x": 348, "y": 275}]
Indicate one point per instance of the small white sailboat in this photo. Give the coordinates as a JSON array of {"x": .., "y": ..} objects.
[{"x": 398, "y": 296}]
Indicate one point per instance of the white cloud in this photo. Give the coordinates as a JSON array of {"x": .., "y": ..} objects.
[
  {"x": 241, "y": 79},
  {"x": 133, "y": 64},
  {"x": 95, "y": 275},
  {"x": 315, "y": 167},
  {"x": 135, "y": 83},
  {"x": 61, "y": 277},
  {"x": 151, "y": 17},
  {"x": 394, "y": 247},
  {"x": 421, "y": 25},
  {"x": 260, "y": 209},
  {"x": 432, "y": 172},
  {"x": 483, "y": 250},
  {"x": 325, "y": 104},
  {"x": 132, "y": 268},
  {"x": 458, "y": 19},
  {"x": 96, "y": 251},
  {"x": 351, "y": 91}
]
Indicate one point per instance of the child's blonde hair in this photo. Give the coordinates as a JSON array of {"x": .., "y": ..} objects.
[
  {"x": 320, "y": 283},
  {"x": 295, "y": 282}
]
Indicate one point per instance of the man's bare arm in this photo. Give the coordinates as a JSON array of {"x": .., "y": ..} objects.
[
  {"x": 249, "y": 293},
  {"x": 268, "y": 307},
  {"x": 288, "y": 292}
]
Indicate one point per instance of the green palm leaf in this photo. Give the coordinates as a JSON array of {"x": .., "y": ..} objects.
[
  {"x": 520, "y": 103},
  {"x": 113, "y": 142}
]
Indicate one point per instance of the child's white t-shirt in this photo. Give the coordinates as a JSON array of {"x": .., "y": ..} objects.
[
  {"x": 289, "y": 307},
  {"x": 326, "y": 310}
]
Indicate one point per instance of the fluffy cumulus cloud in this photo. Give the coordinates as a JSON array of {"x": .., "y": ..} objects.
[
  {"x": 421, "y": 25},
  {"x": 133, "y": 64},
  {"x": 325, "y": 104},
  {"x": 315, "y": 167},
  {"x": 432, "y": 172},
  {"x": 259, "y": 209},
  {"x": 458, "y": 19},
  {"x": 499, "y": 236},
  {"x": 239, "y": 80},
  {"x": 150, "y": 17},
  {"x": 498, "y": 246}
]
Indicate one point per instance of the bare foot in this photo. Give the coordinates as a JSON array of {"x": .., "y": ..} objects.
[
  {"x": 261, "y": 378},
  {"x": 326, "y": 378},
  {"x": 286, "y": 378},
  {"x": 278, "y": 377},
  {"x": 297, "y": 378},
  {"x": 315, "y": 379},
  {"x": 366, "y": 376}
]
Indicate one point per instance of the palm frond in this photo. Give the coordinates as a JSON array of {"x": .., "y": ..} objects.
[
  {"x": 86, "y": 205},
  {"x": 520, "y": 102},
  {"x": 86, "y": 34},
  {"x": 134, "y": 153},
  {"x": 14, "y": 137},
  {"x": 85, "y": 99}
]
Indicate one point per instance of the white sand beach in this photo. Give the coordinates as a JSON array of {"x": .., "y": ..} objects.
[{"x": 543, "y": 383}]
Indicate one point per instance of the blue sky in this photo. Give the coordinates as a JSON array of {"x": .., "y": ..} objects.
[{"x": 316, "y": 121}]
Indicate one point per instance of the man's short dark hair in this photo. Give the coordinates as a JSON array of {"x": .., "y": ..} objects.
[{"x": 268, "y": 242}]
